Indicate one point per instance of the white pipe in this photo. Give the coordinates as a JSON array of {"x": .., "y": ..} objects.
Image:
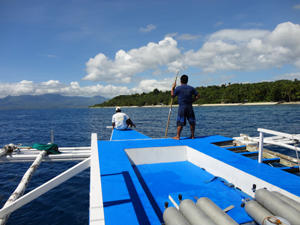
[
  {"x": 53, "y": 156},
  {"x": 261, "y": 146},
  {"x": 290, "y": 136},
  {"x": 282, "y": 145},
  {"x": 63, "y": 152},
  {"x": 44, "y": 160},
  {"x": 58, "y": 157},
  {"x": 173, "y": 202},
  {"x": 74, "y": 148}
]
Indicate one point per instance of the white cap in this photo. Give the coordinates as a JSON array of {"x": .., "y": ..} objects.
[{"x": 118, "y": 108}]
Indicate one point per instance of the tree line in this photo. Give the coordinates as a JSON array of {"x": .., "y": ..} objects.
[{"x": 276, "y": 91}]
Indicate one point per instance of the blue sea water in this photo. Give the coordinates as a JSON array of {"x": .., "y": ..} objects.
[{"x": 69, "y": 202}]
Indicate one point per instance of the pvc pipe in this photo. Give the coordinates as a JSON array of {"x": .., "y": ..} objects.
[
  {"x": 261, "y": 147},
  {"x": 194, "y": 214},
  {"x": 290, "y": 136},
  {"x": 288, "y": 200},
  {"x": 172, "y": 216},
  {"x": 214, "y": 212},
  {"x": 257, "y": 211},
  {"x": 277, "y": 206}
]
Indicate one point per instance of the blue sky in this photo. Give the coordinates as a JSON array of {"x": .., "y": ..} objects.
[{"x": 117, "y": 47}]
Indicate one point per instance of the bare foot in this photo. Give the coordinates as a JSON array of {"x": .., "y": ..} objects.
[
  {"x": 192, "y": 137},
  {"x": 176, "y": 138}
]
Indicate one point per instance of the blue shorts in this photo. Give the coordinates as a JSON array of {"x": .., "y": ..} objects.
[{"x": 186, "y": 112}]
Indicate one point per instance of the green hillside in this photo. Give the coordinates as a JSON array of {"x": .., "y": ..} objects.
[{"x": 281, "y": 90}]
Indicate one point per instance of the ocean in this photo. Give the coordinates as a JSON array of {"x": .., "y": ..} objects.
[{"x": 69, "y": 202}]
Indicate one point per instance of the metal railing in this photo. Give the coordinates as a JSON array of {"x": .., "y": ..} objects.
[{"x": 295, "y": 138}]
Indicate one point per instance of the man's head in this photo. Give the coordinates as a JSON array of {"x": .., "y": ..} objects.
[
  {"x": 118, "y": 109},
  {"x": 184, "y": 79}
]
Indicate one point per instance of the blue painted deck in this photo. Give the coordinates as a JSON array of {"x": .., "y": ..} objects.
[
  {"x": 136, "y": 195},
  {"x": 127, "y": 134}
]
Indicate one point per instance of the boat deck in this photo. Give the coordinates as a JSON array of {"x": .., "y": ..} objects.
[{"x": 135, "y": 190}]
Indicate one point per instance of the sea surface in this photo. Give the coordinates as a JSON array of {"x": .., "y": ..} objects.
[{"x": 69, "y": 202}]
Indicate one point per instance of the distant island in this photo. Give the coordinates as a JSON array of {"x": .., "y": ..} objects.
[
  {"x": 276, "y": 91},
  {"x": 48, "y": 101}
]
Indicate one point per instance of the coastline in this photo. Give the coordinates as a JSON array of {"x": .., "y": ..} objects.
[{"x": 208, "y": 105}]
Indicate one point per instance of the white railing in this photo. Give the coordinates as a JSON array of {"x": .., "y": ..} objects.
[{"x": 295, "y": 138}]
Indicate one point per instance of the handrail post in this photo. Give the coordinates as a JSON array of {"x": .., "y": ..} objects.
[{"x": 261, "y": 146}]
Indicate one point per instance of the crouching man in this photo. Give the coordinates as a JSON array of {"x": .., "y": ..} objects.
[{"x": 121, "y": 121}]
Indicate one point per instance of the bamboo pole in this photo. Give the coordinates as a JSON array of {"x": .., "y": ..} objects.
[
  {"x": 19, "y": 191},
  {"x": 170, "y": 110}
]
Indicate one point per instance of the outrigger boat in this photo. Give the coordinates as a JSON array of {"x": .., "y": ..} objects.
[{"x": 135, "y": 179}]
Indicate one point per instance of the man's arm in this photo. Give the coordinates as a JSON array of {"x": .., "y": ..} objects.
[
  {"x": 113, "y": 122},
  {"x": 196, "y": 94},
  {"x": 173, "y": 88},
  {"x": 196, "y": 97},
  {"x": 130, "y": 123}
]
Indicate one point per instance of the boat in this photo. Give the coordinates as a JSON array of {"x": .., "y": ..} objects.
[{"x": 136, "y": 179}]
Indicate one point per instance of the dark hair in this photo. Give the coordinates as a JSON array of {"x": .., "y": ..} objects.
[{"x": 184, "y": 79}]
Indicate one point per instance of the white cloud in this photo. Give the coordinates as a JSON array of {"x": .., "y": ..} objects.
[
  {"x": 220, "y": 23},
  {"x": 227, "y": 49},
  {"x": 248, "y": 49},
  {"x": 74, "y": 89},
  {"x": 51, "y": 56},
  {"x": 150, "y": 84},
  {"x": 188, "y": 37},
  {"x": 288, "y": 76},
  {"x": 51, "y": 83},
  {"x": 127, "y": 64},
  {"x": 183, "y": 37},
  {"x": 148, "y": 28},
  {"x": 171, "y": 35},
  {"x": 236, "y": 35},
  {"x": 53, "y": 86},
  {"x": 297, "y": 6}
]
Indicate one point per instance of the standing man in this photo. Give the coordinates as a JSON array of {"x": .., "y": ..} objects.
[
  {"x": 121, "y": 121},
  {"x": 186, "y": 96}
]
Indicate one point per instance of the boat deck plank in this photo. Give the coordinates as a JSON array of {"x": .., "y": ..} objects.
[
  {"x": 275, "y": 176},
  {"x": 192, "y": 182},
  {"x": 128, "y": 134},
  {"x": 124, "y": 197}
]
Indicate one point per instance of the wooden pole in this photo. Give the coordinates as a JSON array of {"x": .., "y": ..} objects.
[
  {"x": 170, "y": 110},
  {"x": 19, "y": 191},
  {"x": 49, "y": 185}
]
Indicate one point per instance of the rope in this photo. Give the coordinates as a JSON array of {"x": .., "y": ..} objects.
[{"x": 8, "y": 149}]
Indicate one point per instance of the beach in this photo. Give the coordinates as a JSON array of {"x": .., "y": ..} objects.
[{"x": 217, "y": 104}]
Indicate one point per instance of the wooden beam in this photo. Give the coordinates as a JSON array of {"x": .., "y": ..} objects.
[
  {"x": 45, "y": 187},
  {"x": 23, "y": 184}
]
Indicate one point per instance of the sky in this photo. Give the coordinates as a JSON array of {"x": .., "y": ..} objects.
[{"x": 114, "y": 47}]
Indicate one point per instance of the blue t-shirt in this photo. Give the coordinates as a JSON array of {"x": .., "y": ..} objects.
[{"x": 185, "y": 94}]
